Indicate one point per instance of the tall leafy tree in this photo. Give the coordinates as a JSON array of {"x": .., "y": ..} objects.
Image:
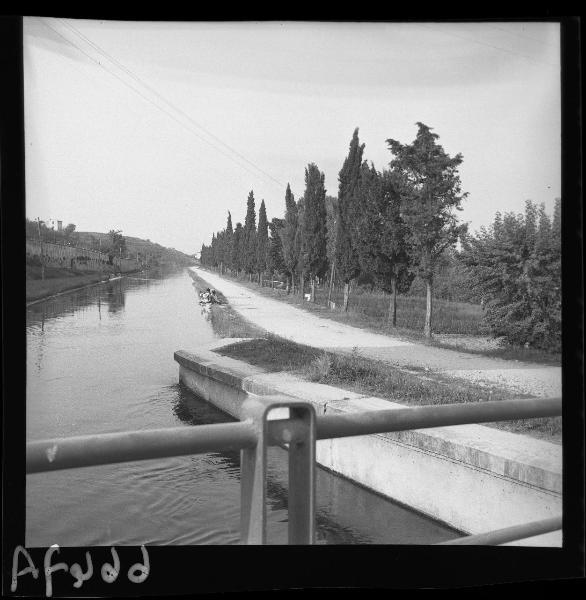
[
  {"x": 431, "y": 192},
  {"x": 542, "y": 278},
  {"x": 117, "y": 243},
  {"x": 288, "y": 234},
  {"x": 347, "y": 263},
  {"x": 69, "y": 233},
  {"x": 262, "y": 241},
  {"x": 379, "y": 234},
  {"x": 314, "y": 225},
  {"x": 556, "y": 225},
  {"x": 515, "y": 264},
  {"x": 250, "y": 236}
]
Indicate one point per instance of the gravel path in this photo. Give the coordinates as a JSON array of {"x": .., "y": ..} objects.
[{"x": 302, "y": 327}]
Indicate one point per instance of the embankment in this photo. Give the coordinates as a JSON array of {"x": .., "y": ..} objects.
[{"x": 39, "y": 289}]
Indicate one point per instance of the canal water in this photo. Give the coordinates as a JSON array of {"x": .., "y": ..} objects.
[{"x": 101, "y": 360}]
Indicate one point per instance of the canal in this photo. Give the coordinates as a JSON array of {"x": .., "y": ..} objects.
[{"x": 101, "y": 360}]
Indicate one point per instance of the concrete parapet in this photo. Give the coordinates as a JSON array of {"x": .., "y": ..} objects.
[{"x": 471, "y": 477}]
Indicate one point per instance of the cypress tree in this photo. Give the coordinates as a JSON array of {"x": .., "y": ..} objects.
[
  {"x": 237, "y": 248},
  {"x": 275, "y": 259},
  {"x": 331, "y": 228},
  {"x": 229, "y": 235},
  {"x": 262, "y": 241},
  {"x": 249, "y": 245},
  {"x": 347, "y": 264},
  {"x": 213, "y": 250},
  {"x": 220, "y": 250},
  {"x": 430, "y": 189},
  {"x": 288, "y": 234},
  {"x": 298, "y": 245},
  {"x": 314, "y": 225}
]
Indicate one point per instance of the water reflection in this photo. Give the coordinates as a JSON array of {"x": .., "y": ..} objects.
[
  {"x": 114, "y": 297},
  {"x": 109, "y": 295},
  {"x": 112, "y": 294}
]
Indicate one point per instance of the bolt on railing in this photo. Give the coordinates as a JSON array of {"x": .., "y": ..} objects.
[{"x": 298, "y": 433}]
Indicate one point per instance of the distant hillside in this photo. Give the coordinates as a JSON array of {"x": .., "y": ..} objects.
[{"x": 154, "y": 254}]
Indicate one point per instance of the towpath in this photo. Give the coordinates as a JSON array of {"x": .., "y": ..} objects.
[{"x": 303, "y": 327}]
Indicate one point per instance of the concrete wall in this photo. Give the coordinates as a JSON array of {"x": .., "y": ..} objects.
[
  {"x": 471, "y": 477},
  {"x": 78, "y": 259}
]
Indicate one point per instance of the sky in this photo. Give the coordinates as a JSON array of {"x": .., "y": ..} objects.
[{"x": 160, "y": 129}]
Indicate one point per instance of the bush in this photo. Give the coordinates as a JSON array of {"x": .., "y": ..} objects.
[{"x": 515, "y": 265}]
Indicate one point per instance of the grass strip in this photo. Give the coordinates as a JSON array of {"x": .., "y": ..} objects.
[{"x": 358, "y": 374}]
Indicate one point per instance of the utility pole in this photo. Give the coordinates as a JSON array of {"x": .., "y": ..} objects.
[
  {"x": 332, "y": 273},
  {"x": 41, "y": 243},
  {"x": 100, "y": 258}
]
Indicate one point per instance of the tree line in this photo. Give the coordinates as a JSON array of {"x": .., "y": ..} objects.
[{"x": 396, "y": 224}]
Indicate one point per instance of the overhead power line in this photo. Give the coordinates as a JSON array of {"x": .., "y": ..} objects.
[
  {"x": 516, "y": 34},
  {"x": 473, "y": 41},
  {"x": 167, "y": 102},
  {"x": 163, "y": 99}
]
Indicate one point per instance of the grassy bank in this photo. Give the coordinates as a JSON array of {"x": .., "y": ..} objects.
[
  {"x": 369, "y": 310},
  {"x": 56, "y": 281},
  {"x": 375, "y": 378}
]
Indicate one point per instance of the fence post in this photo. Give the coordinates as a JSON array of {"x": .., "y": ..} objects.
[
  {"x": 253, "y": 481},
  {"x": 298, "y": 431},
  {"x": 301, "y": 502}
]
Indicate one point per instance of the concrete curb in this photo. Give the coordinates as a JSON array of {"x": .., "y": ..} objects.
[{"x": 471, "y": 477}]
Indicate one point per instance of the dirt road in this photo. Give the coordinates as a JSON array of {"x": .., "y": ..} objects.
[{"x": 302, "y": 327}]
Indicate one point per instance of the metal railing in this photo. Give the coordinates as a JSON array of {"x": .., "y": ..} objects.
[{"x": 298, "y": 434}]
